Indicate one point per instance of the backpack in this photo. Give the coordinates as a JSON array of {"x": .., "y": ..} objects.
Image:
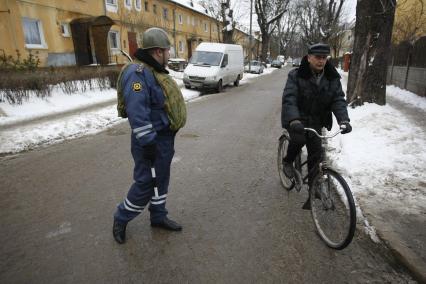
[{"x": 121, "y": 106}]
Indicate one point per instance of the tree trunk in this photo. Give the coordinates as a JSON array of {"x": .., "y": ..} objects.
[
  {"x": 368, "y": 70},
  {"x": 265, "y": 46}
]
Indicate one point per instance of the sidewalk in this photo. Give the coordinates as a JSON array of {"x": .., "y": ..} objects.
[{"x": 389, "y": 142}]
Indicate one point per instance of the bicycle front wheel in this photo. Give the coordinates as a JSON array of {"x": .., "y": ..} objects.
[
  {"x": 333, "y": 209},
  {"x": 287, "y": 183}
]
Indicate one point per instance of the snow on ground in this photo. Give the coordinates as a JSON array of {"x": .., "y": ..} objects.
[
  {"x": 406, "y": 97},
  {"x": 16, "y": 139},
  {"x": 57, "y": 103},
  {"x": 57, "y": 130},
  {"x": 383, "y": 157}
]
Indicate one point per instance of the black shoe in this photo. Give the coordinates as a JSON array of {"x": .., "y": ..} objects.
[
  {"x": 119, "y": 232},
  {"x": 167, "y": 224},
  {"x": 288, "y": 169},
  {"x": 307, "y": 205}
]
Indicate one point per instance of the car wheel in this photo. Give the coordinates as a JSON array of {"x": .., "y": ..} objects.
[
  {"x": 237, "y": 82},
  {"x": 187, "y": 87},
  {"x": 219, "y": 87}
]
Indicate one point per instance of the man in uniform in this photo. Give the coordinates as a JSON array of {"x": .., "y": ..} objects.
[
  {"x": 311, "y": 93},
  {"x": 156, "y": 110}
]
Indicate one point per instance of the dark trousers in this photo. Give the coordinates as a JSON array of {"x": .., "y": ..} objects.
[
  {"x": 313, "y": 144},
  {"x": 142, "y": 190}
]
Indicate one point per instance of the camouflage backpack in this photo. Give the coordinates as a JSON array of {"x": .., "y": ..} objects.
[
  {"x": 175, "y": 104},
  {"x": 121, "y": 106}
]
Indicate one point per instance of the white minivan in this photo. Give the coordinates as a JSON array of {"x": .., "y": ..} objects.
[{"x": 214, "y": 65}]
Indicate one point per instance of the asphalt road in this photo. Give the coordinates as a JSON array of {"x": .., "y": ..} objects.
[{"x": 239, "y": 225}]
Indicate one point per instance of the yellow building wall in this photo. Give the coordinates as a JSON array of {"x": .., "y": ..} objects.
[
  {"x": 410, "y": 20},
  {"x": 50, "y": 14},
  {"x": 194, "y": 28}
]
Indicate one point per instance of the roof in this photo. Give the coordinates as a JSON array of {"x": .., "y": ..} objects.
[{"x": 193, "y": 5}]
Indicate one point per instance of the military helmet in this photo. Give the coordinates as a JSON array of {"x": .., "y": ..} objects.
[{"x": 155, "y": 37}]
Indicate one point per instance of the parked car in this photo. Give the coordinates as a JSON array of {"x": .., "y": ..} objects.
[
  {"x": 214, "y": 65},
  {"x": 256, "y": 67},
  {"x": 296, "y": 62},
  {"x": 177, "y": 64},
  {"x": 276, "y": 63}
]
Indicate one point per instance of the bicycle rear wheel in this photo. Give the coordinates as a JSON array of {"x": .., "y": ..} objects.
[
  {"x": 287, "y": 183},
  {"x": 333, "y": 209}
]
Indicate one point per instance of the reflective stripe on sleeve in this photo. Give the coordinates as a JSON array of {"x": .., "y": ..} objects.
[
  {"x": 139, "y": 129},
  {"x": 139, "y": 135}
]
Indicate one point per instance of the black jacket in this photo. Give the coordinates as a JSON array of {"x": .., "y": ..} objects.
[{"x": 310, "y": 103}]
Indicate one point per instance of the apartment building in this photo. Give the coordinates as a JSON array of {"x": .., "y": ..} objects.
[{"x": 84, "y": 32}]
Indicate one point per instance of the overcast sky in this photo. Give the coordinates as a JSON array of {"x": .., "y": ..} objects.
[{"x": 242, "y": 12}]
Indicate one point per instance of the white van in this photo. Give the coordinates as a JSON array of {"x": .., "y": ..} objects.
[{"x": 214, "y": 65}]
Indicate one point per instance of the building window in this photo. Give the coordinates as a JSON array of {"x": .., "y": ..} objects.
[
  {"x": 193, "y": 21},
  {"x": 33, "y": 33},
  {"x": 138, "y": 5},
  {"x": 188, "y": 20},
  {"x": 180, "y": 18},
  {"x": 205, "y": 27},
  {"x": 65, "y": 30},
  {"x": 146, "y": 6},
  {"x": 114, "y": 40},
  {"x": 111, "y": 5},
  {"x": 180, "y": 46},
  {"x": 154, "y": 9},
  {"x": 165, "y": 13},
  {"x": 128, "y": 4}
]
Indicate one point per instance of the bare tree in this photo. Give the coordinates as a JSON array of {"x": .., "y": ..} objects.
[
  {"x": 373, "y": 31},
  {"x": 214, "y": 8},
  {"x": 268, "y": 13},
  {"x": 336, "y": 40},
  {"x": 320, "y": 19},
  {"x": 287, "y": 27}
]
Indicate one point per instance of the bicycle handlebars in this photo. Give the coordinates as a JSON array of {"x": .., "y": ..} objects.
[{"x": 324, "y": 136}]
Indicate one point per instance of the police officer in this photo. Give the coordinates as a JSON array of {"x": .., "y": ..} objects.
[
  {"x": 312, "y": 92},
  {"x": 154, "y": 105}
]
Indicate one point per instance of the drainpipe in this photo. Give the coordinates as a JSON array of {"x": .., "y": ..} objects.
[{"x": 174, "y": 31}]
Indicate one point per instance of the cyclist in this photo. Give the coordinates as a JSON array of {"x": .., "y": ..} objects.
[{"x": 311, "y": 93}]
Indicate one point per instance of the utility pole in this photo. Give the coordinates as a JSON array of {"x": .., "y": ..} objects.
[{"x": 250, "y": 36}]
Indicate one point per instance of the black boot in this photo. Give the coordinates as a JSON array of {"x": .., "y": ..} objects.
[
  {"x": 167, "y": 224},
  {"x": 288, "y": 169},
  {"x": 119, "y": 232}
]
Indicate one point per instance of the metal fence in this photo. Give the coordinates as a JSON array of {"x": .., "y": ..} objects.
[{"x": 408, "y": 66}]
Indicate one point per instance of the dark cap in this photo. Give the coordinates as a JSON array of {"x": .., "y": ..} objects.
[{"x": 319, "y": 49}]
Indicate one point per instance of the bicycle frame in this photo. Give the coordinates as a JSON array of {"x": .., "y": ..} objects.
[{"x": 301, "y": 180}]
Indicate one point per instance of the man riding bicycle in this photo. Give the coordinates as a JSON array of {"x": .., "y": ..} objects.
[{"x": 311, "y": 93}]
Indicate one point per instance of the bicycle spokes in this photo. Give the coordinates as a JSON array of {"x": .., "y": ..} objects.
[{"x": 333, "y": 209}]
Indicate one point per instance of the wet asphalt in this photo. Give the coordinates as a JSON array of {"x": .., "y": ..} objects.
[{"x": 240, "y": 226}]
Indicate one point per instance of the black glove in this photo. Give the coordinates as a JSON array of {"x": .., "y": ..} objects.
[
  {"x": 346, "y": 127},
  {"x": 297, "y": 132},
  {"x": 149, "y": 152}
]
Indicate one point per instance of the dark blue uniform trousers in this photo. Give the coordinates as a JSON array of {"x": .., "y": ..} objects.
[{"x": 142, "y": 190}]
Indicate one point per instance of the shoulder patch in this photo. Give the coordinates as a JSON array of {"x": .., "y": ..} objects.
[{"x": 137, "y": 86}]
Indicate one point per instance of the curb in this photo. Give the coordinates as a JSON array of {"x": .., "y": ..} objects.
[
  {"x": 404, "y": 254},
  {"x": 54, "y": 115}
]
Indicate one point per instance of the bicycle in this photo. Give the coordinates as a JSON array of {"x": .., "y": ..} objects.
[{"x": 332, "y": 204}]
